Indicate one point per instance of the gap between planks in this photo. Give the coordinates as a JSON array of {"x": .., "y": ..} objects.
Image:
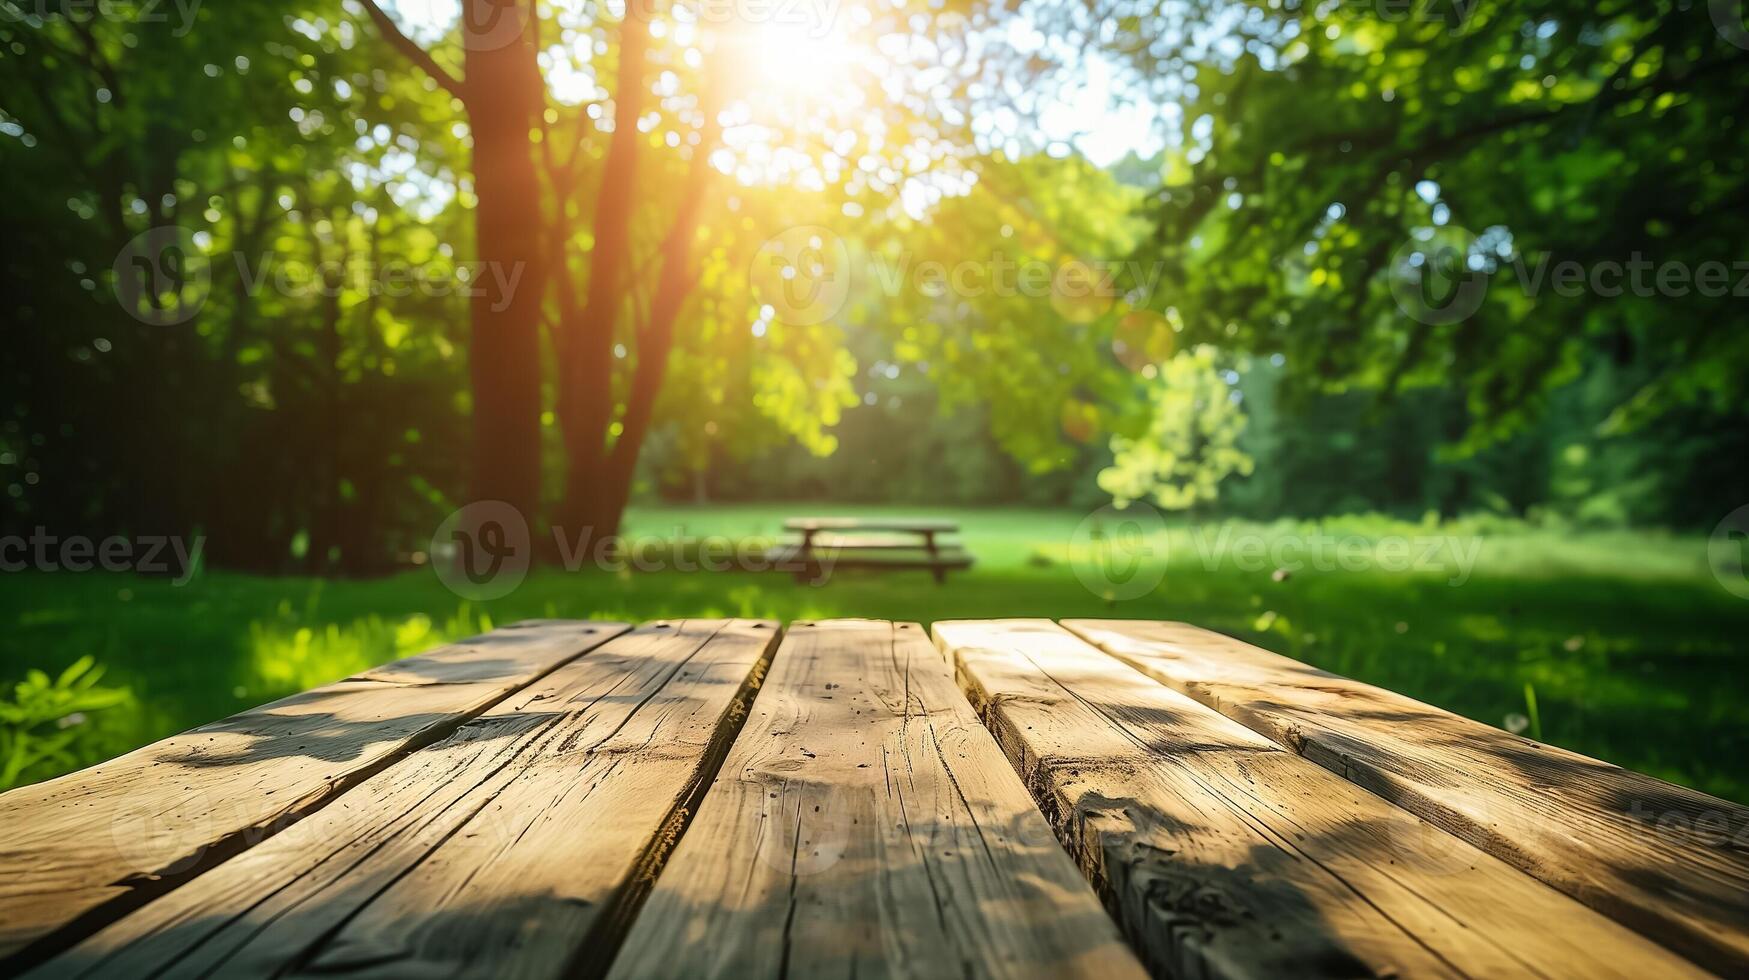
[
  {"x": 518, "y": 846},
  {"x": 865, "y": 824},
  {"x": 1669, "y": 862},
  {"x": 1225, "y": 856},
  {"x": 80, "y": 851}
]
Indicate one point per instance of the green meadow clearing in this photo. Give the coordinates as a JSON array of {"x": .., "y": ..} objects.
[{"x": 1615, "y": 644}]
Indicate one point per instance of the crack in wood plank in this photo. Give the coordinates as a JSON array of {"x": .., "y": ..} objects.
[
  {"x": 865, "y": 824},
  {"x": 1224, "y": 855},
  {"x": 467, "y": 857},
  {"x": 79, "y": 852},
  {"x": 1628, "y": 845}
]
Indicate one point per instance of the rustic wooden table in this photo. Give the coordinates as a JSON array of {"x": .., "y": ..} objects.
[
  {"x": 877, "y": 544},
  {"x": 728, "y": 798}
]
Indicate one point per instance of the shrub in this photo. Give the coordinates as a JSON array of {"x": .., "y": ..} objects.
[{"x": 46, "y": 728}]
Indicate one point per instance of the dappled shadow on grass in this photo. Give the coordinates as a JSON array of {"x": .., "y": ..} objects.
[{"x": 289, "y": 653}]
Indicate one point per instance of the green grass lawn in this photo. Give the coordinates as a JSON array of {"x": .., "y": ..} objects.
[{"x": 1618, "y": 645}]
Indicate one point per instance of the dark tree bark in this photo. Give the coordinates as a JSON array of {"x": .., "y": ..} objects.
[
  {"x": 586, "y": 399},
  {"x": 655, "y": 341},
  {"x": 599, "y": 469},
  {"x": 505, "y": 102},
  {"x": 502, "y": 92}
]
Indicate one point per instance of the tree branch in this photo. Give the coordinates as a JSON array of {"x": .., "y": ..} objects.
[
  {"x": 392, "y": 33},
  {"x": 675, "y": 284},
  {"x": 588, "y": 374}
]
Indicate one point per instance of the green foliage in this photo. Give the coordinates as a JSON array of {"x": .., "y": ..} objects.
[
  {"x": 281, "y": 392},
  {"x": 1329, "y": 148},
  {"x": 307, "y": 419},
  {"x": 1035, "y": 248},
  {"x": 1192, "y": 440},
  {"x": 46, "y": 728},
  {"x": 309, "y": 406},
  {"x": 287, "y": 655},
  {"x": 1346, "y": 453}
]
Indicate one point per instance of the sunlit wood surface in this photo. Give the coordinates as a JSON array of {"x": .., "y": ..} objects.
[{"x": 731, "y": 798}]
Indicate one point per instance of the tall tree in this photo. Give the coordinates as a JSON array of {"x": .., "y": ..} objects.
[
  {"x": 603, "y": 199},
  {"x": 503, "y": 96},
  {"x": 601, "y": 453}
]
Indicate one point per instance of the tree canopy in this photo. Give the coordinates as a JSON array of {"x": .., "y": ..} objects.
[
  {"x": 1388, "y": 193},
  {"x": 275, "y": 268}
]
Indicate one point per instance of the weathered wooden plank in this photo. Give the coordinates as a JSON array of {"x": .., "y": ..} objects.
[
  {"x": 865, "y": 824},
  {"x": 77, "y": 851},
  {"x": 516, "y": 847},
  {"x": 1224, "y": 855},
  {"x": 1669, "y": 862}
]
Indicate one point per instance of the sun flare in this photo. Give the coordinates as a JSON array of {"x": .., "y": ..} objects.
[{"x": 794, "y": 61}]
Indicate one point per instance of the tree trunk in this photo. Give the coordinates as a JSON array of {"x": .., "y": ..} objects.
[
  {"x": 504, "y": 102},
  {"x": 586, "y": 372},
  {"x": 599, "y": 477}
]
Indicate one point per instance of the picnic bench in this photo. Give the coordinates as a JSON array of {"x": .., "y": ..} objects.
[
  {"x": 880, "y": 544},
  {"x": 729, "y": 798}
]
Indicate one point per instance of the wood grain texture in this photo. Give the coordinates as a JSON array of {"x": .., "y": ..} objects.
[
  {"x": 517, "y": 847},
  {"x": 1224, "y": 855},
  {"x": 1667, "y": 861},
  {"x": 865, "y": 824},
  {"x": 77, "y": 851}
]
